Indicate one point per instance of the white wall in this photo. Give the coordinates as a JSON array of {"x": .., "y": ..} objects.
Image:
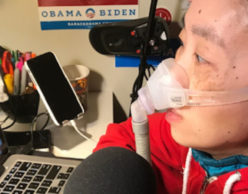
[{"x": 20, "y": 29}]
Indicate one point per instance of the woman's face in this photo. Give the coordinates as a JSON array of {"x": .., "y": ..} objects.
[{"x": 214, "y": 55}]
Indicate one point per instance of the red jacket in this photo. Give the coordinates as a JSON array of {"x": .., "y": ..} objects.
[{"x": 169, "y": 160}]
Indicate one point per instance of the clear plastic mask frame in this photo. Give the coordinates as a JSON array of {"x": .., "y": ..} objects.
[{"x": 163, "y": 90}]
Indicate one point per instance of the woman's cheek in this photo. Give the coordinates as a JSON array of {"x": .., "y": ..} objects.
[{"x": 204, "y": 77}]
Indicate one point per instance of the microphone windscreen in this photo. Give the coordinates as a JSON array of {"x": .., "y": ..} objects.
[{"x": 112, "y": 170}]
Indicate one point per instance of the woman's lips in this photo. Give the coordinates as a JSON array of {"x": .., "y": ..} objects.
[{"x": 173, "y": 116}]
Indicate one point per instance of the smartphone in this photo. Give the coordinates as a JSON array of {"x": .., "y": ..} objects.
[{"x": 54, "y": 88}]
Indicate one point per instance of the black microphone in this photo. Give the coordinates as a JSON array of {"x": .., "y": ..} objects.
[{"x": 112, "y": 170}]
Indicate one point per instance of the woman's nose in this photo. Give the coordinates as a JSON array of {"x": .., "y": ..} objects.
[
  {"x": 179, "y": 74},
  {"x": 181, "y": 56},
  {"x": 180, "y": 69}
]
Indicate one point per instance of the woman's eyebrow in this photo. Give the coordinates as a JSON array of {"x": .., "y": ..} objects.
[{"x": 208, "y": 33}]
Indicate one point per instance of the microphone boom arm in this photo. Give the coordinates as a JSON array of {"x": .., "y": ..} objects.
[{"x": 139, "y": 116}]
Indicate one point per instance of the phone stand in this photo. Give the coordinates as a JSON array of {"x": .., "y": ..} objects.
[{"x": 23, "y": 108}]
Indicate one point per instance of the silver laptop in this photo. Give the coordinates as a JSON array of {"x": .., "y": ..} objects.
[{"x": 27, "y": 174}]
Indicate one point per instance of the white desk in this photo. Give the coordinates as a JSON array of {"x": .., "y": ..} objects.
[{"x": 67, "y": 142}]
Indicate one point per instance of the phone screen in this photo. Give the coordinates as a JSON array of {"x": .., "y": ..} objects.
[{"x": 54, "y": 87}]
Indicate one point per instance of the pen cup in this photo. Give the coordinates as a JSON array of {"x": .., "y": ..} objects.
[
  {"x": 78, "y": 76},
  {"x": 23, "y": 108}
]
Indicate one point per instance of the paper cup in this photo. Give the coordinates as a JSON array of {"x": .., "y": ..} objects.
[{"x": 78, "y": 76}]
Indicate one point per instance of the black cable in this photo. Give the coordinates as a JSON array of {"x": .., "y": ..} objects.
[
  {"x": 41, "y": 135},
  {"x": 10, "y": 125},
  {"x": 6, "y": 118},
  {"x": 33, "y": 126},
  {"x": 32, "y": 140},
  {"x": 37, "y": 117},
  {"x": 46, "y": 123},
  {"x": 143, "y": 67}
]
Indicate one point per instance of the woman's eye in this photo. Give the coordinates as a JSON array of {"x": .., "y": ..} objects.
[{"x": 200, "y": 59}]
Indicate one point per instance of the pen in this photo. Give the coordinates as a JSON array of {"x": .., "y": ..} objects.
[
  {"x": 16, "y": 80},
  {"x": 8, "y": 79},
  {"x": 16, "y": 55},
  {"x": 23, "y": 80},
  {"x": 7, "y": 66},
  {"x": 13, "y": 61}
]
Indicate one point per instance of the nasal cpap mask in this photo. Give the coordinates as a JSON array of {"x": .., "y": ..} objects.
[{"x": 165, "y": 90}]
